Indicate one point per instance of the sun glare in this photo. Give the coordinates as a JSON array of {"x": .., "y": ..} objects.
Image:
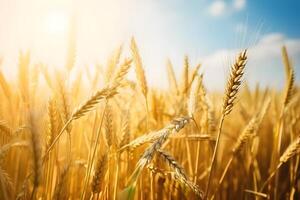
[{"x": 56, "y": 23}]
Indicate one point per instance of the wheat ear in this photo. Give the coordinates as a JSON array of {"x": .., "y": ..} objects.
[
  {"x": 251, "y": 129},
  {"x": 185, "y": 75},
  {"x": 289, "y": 89},
  {"x": 36, "y": 152},
  {"x": 99, "y": 173},
  {"x": 181, "y": 175},
  {"x": 146, "y": 138},
  {"x": 92, "y": 102},
  {"x": 108, "y": 126},
  {"x": 112, "y": 63},
  {"x": 53, "y": 122},
  {"x": 286, "y": 62},
  {"x": 194, "y": 74},
  {"x": 292, "y": 150},
  {"x": 141, "y": 78},
  {"x": 62, "y": 179},
  {"x": 194, "y": 96},
  {"x": 175, "y": 126},
  {"x": 5, "y": 86},
  {"x": 5, "y": 184},
  {"x": 172, "y": 77},
  {"x": 5, "y": 129},
  {"x": 248, "y": 133},
  {"x": 234, "y": 81},
  {"x": 125, "y": 136}
]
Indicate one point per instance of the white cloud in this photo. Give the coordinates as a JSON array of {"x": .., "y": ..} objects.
[
  {"x": 220, "y": 7},
  {"x": 264, "y": 62},
  {"x": 239, "y": 4},
  {"x": 272, "y": 38},
  {"x": 217, "y": 8}
]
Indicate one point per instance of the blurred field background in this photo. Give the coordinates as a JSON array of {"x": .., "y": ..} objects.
[{"x": 147, "y": 100}]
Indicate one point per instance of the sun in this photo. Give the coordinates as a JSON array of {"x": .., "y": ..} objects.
[{"x": 56, "y": 23}]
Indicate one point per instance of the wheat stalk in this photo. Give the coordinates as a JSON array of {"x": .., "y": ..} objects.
[
  {"x": 234, "y": 81},
  {"x": 248, "y": 133}
]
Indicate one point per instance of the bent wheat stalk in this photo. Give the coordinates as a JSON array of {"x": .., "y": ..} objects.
[
  {"x": 175, "y": 126},
  {"x": 93, "y": 101}
]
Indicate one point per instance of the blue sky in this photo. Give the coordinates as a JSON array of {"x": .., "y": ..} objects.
[
  {"x": 210, "y": 32},
  {"x": 195, "y": 25}
]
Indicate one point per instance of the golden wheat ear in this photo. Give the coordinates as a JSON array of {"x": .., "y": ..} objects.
[
  {"x": 113, "y": 61},
  {"x": 232, "y": 88},
  {"x": 36, "y": 151},
  {"x": 99, "y": 174},
  {"x": 251, "y": 129},
  {"x": 125, "y": 132},
  {"x": 172, "y": 78},
  {"x": 286, "y": 62},
  {"x": 5, "y": 86},
  {"x": 234, "y": 82},
  {"x": 90, "y": 104},
  {"x": 140, "y": 73},
  {"x": 194, "y": 96},
  {"x": 58, "y": 192},
  {"x": 185, "y": 75},
  {"x": 6, "y": 184},
  {"x": 292, "y": 150},
  {"x": 289, "y": 91},
  {"x": 180, "y": 173},
  {"x": 175, "y": 126}
]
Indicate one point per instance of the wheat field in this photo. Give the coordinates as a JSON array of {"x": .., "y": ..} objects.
[{"x": 75, "y": 134}]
